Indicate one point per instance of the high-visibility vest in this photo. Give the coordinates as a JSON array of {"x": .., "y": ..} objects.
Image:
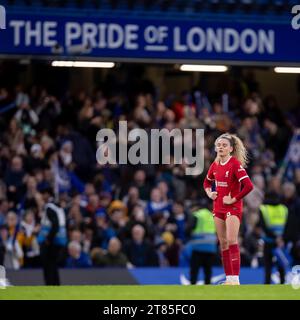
[
  {"x": 275, "y": 217},
  {"x": 205, "y": 222},
  {"x": 204, "y": 237}
]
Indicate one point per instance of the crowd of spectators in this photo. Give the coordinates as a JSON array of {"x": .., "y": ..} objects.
[{"x": 129, "y": 215}]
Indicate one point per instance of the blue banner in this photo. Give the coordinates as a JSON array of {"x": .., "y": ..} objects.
[
  {"x": 125, "y": 38},
  {"x": 164, "y": 276}
]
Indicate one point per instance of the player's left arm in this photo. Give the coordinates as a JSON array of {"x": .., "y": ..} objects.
[
  {"x": 242, "y": 176},
  {"x": 246, "y": 184}
]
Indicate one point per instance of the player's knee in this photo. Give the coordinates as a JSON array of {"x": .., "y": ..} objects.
[{"x": 223, "y": 243}]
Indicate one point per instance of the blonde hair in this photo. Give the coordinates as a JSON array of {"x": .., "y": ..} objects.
[{"x": 239, "y": 150}]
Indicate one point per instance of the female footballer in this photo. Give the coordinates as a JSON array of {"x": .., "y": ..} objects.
[{"x": 232, "y": 184}]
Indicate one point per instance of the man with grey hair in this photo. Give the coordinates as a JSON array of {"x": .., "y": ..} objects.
[
  {"x": 76, "y": 257},
  {"x": 114, "y": 257},
  {"x": 139, "y": 251}
]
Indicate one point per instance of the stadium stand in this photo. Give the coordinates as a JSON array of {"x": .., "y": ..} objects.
[{"x": 49, "y": 141}]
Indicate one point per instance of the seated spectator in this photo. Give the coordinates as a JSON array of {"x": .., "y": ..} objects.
[
  {"x": 103, "y": 231},
  {"x": 118, "y": 216},
  {"x": 93, "y": 205},
  {"x": 140, "y": 252},
  {"x": 138, "y": 217},
  {"x": 105, "y": 199},
  {"x": 173, "y": 247},
  {"x": 113, "y": 257},
  {"x": 75, "y": 219},
  {"x": 167, "y": 250},
  {"x": 177, "y": 223},
  {"x": 157, "y": 204},
  {"x": 132, "y": 199},
  {"x": 76, "y": 258}
]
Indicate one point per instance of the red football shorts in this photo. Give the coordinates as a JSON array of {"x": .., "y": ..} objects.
[{"x": 224, "y": 216}]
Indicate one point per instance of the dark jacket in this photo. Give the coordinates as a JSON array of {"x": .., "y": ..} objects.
[{"x": 141, "y": 255}]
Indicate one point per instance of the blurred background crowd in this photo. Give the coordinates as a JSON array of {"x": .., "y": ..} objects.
[{"x": 133, "y": 215}]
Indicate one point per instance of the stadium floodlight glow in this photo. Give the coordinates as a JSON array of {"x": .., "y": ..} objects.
[
  {"x": 203, "y": 68},
  {"x": 286, "y": 70},
  {"x": 82, "y": 64}
]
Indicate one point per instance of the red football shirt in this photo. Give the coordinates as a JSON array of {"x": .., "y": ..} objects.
[{"x": 227, "y": 177}]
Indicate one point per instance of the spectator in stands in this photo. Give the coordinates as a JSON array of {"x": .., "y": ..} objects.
[
  {"x": 65, "y": 178},
  {"x": 75, "y": 219},
  {"x": 14, "y": 179},
  {"x": 142, "y": 112},
  {"x": 168, "y": 249},
  {"x": 138, "y": 216},
  {"x": 178, "y": 221},
  {"x": 113, "y": 257},
  {"x": 157, "y": 204},
  {"x": 93, "y": 205},
  {"x": 138, "y": 250},
  {"x": 139, "y": 181},
  {"x": 27, "y": 238},
  {"x": 77, "y": 258},
  {"x": 35, "y": 160},
  {"x": 26, "y": 116},
  {"x": 103, "y": 231},
  {"x": 132, "y": 199},
  {"x": 32, "y": 199},
  {"x": 118, "y": 216},
  {"x": 13, "y": 258},
  {"x": 14, "y": 138}
]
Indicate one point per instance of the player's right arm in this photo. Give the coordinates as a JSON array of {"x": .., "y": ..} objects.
[{"x": 207, "y": 184}]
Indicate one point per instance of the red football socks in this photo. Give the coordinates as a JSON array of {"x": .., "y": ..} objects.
[
  {"x": 235, "y": 259},
  {"x": 227, "y": 262}
]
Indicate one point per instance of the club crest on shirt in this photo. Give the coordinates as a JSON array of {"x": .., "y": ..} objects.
[{"x": 226, "y": 174}]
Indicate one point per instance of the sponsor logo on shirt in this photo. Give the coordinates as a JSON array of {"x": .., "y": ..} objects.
[{"x": 221, "y": 184}]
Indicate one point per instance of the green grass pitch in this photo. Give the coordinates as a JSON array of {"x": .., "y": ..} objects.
[{"x": 151, "y": 292}]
